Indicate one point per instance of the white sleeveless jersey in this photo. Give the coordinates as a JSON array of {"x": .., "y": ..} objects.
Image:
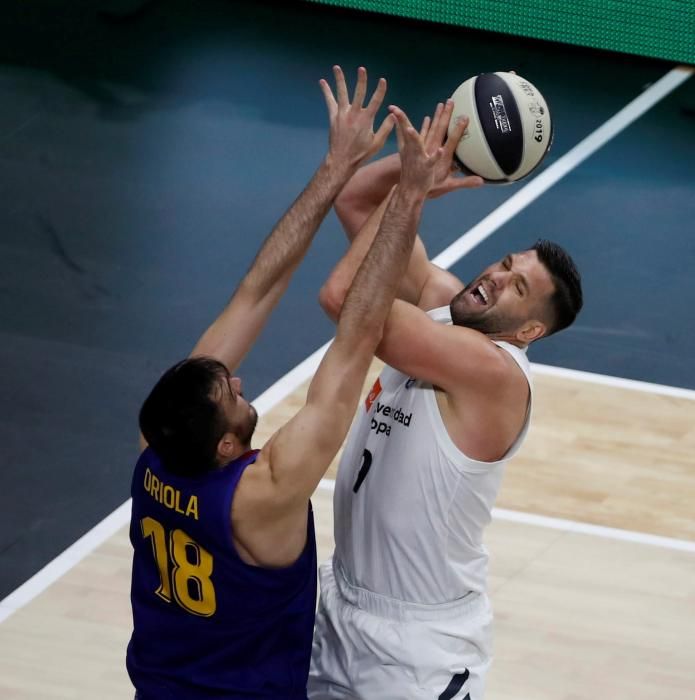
[{"x": 410, "y": 507}]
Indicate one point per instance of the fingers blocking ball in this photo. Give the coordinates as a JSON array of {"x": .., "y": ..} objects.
[{"x": 510, "y": 129}]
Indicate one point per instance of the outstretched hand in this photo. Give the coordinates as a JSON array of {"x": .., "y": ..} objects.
[
  {"x": 352, "y": 138},
  {"x": 419, "y": 159},
  {"x": 447, "y": 177}
]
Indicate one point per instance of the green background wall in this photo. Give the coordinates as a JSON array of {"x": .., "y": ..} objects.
[{"x": 657, "y": 28}]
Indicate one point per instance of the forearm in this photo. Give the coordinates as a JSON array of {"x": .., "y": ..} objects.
[
  {"x": 270, "y": 273},
  {"x": 335, "y": 288},
  {"x": 379, "y": 275},
  {"x": 289, "y": 241},
  {"x": 332, "y": 294}
]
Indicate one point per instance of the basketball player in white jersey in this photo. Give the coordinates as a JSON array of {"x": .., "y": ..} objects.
[{"x": 404, "y": 611}]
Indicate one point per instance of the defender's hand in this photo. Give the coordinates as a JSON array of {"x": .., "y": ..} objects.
[
  {"x": 352, "y": 138},
  {"x": 419, "y": 160}
]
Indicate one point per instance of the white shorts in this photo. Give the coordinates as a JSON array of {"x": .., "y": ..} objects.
[{"x": 370, "y": 647}]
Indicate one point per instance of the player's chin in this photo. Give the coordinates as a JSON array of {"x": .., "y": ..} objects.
[
  {"x": 476, "y": 319},
  {"x": 466, "y": 309}
]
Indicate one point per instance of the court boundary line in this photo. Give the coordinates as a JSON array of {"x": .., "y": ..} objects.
[
  {"x": 616, "y": 382},
  {"x": 93, "y": 538}
]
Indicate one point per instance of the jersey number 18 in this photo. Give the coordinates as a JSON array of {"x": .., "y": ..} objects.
[{"x": 187, "y": 580}]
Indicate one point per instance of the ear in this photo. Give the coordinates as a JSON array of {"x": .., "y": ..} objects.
[
  {"x": 227, "y": 447},
  {"x": 530, "y": 331}
]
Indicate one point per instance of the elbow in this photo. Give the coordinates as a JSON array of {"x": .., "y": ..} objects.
[
  {"x": 352, "y": 211},
  {"x": 340, "y": 205},
  {"x": 344, "y": 204},
  {"x": 331, "y": 299}
]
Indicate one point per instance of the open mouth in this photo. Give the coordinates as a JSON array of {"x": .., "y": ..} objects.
[{"x": 480, "y": 295}]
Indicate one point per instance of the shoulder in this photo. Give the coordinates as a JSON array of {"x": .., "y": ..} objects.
[
  {"x": 517, "y": 359},
  {"x": 255, "y": 488},
  {"x": 485, "y": 419},
  {"x": 269, "y": 527},
  {"x": 514, "y": 369}
]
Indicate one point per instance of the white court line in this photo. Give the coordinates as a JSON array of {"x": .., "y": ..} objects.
[
  {"x": 284, "y": 386},
  {"x": 73, "y": 555},
  {"x": 617, "y": 382},
  {"x": 293, "y": 379},
  {"x": 610, "y": 533}
]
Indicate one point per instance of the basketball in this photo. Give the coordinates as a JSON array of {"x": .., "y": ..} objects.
[{"x": 510, "y": 130}]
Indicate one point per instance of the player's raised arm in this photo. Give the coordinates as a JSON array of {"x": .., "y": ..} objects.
[
  {"x": 352, "y": 140},
  {"x": 362, "y": 202},
  {"x": 294, "y": 460}
]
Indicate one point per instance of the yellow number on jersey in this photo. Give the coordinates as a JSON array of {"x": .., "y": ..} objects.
[
  {"x": 192, "y": 574},
  {"x": 192, "y": 585}
]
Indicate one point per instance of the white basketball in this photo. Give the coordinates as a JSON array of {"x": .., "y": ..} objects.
[{"x": 510, "y": 129}]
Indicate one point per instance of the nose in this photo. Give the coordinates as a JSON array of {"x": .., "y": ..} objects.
[{"x": 500, "y": 277}]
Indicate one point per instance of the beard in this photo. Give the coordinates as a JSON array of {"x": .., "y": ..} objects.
[
  {"x": 485, "y": 323},
  {"x": 485, "y": 320}
]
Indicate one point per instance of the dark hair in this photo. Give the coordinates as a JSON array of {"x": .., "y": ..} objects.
[
  {"x": 567, "y": 299},
  {"x": 181, "y": 420}
]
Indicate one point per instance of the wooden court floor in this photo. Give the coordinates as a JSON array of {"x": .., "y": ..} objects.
[{"x": 579, "y": 613}]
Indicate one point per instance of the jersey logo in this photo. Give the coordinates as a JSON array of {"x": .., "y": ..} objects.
[
  {"x": 410, "y": 382},
  {"x": 373, "y": 394}
]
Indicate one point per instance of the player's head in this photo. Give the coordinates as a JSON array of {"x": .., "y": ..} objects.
[
  {"x": 523, "y": 297},
  {"x": 196, "y": 418}
]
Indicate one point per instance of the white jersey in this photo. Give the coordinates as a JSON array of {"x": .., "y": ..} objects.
[{"x": 410, "y": 507}]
